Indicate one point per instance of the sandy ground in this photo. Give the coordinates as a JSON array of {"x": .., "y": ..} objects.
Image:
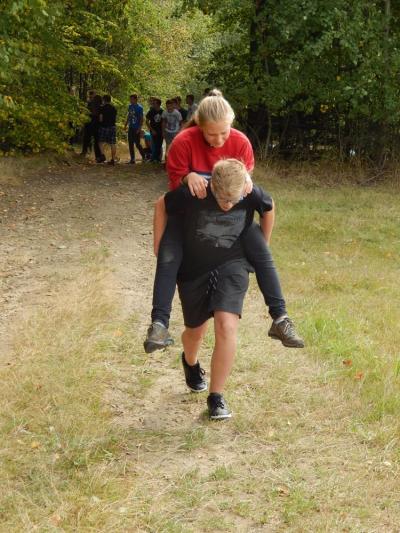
[{"x": 51, "y": 221}]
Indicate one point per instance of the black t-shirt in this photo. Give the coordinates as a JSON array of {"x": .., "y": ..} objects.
[
  {"x": 109, "y": 114},
  {"x": 212, "y": 236},
  {"x": 155, "y": 119},
  {"x": 183, "y": 112}
]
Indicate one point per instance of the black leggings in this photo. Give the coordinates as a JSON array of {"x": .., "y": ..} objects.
[{"x": 170, "y": 258}]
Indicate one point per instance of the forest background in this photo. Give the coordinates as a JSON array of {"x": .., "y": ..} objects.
[{"x": 306, "y": 78}]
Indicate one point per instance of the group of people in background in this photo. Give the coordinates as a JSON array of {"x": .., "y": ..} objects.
[{"x": 162, "y": 124}]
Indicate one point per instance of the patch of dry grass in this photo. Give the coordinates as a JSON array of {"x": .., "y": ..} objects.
[{"x": 60, "y": 455}]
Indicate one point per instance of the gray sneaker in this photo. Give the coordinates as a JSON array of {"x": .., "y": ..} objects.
[
  {"x": 158, "y": 337},
  {"x": 286, "y": 333}
]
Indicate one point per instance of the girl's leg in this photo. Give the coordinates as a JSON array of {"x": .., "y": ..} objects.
[
  {"x": 225, "y": 325},
  {"x": 168, "y": 263},
  {"x": 259, "y": 256}
]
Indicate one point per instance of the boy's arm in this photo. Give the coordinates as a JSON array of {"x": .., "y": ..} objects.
[
  {"x": 267, "y": 223},
  {"x": 159, "y": 223}
]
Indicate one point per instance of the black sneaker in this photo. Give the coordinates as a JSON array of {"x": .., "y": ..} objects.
[
  {"x": 194, "y": 376},
  {"x": 158, "y": 337},
  {"x": 217, "y": 407},
  {"x": 286, "y": 333}
]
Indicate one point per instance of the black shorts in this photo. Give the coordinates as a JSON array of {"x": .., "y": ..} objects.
[
  {"x": 222, "y": 289},
  {"x": 108, "y": 135}
]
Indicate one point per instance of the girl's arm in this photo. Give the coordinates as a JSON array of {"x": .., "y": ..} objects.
[
  {"x": 159, "y": 223},
  {"x": 267, "y": 223}
]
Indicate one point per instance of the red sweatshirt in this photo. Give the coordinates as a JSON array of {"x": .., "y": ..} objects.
[{"x": 190, "y": 152}]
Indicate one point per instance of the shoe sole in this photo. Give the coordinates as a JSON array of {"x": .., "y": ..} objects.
[
  {"x": 285, "y": 343},
  {"x": 221, "y": 417},
  {"x": 197, "y": 390},
  {"x": 151, "y": 346}
]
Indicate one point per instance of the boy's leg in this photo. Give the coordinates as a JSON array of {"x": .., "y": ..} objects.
[
  {"x": 137, "y": 143},
  {"x": 102, "y": 146},
  {"x": 159, "y": 148},
  {"x": 113, "y": 152},
  {"x": 260, "y": 257},
  {"x": 97, "y": 151},
  {"x": 131, "y": 144},
  {"x": 194, "y": 374},
  {"x": 191, "y": 342},
  {"x": 225, "y": 326},
  {"x": 86, "y": 138}
]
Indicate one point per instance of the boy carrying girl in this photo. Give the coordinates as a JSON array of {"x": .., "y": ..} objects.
[{"x": 213, "y": 278}]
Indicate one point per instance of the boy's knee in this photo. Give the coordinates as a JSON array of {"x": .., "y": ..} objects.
[
  {"x": 226, "y": 326},
  {"x": 194, "y": 334}
]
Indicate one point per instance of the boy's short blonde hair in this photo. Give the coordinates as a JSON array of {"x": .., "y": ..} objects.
[{"x": 228, "y": 178}]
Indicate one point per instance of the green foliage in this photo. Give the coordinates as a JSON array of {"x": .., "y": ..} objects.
[
  {"x": 317, "y": 71},
  {"x": 113, "y": 46}
]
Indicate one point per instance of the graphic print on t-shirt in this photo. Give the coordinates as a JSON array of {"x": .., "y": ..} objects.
[{"x": 220, "y": 229}]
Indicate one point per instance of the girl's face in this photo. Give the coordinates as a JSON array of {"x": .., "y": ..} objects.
[{"x": 216, "y": 133}]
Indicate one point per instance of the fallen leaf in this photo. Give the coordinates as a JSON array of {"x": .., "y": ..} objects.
[
  {"x": 283, "y": 491},
  {"x": 347, "y": 362},
  {"x": 35, "y": 444},
  {"x": 359, "y": 376},
  {"x": 55, "y": 519}
]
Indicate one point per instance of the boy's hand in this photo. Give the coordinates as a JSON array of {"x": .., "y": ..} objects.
[
  {"x": 197, "y": 185},
  {"x": 248, "y": 187}
]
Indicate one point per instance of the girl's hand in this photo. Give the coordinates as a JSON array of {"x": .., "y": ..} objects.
[
  {"x": 197, "y": 185},
  {"x": 248, "y": 187}
]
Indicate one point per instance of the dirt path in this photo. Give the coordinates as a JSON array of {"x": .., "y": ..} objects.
[
  {"x": 292, "y": 460},
  {"x": 50, "y": 223}
]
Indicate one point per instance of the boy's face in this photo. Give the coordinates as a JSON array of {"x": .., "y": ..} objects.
[
  {"x": 225, "y": 201},
  {"x": 170, "y": 107},
  {"x": 133, "y": 100},
  {"x": 216, "y": 133}
]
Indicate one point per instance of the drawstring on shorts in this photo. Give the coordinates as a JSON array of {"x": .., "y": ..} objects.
[{"x": 212, "y": 281}]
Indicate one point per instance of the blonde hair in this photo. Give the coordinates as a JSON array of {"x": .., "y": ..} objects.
[
  {"x": 228, "y": 178},
  {"x": 212, "y": 108}
]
